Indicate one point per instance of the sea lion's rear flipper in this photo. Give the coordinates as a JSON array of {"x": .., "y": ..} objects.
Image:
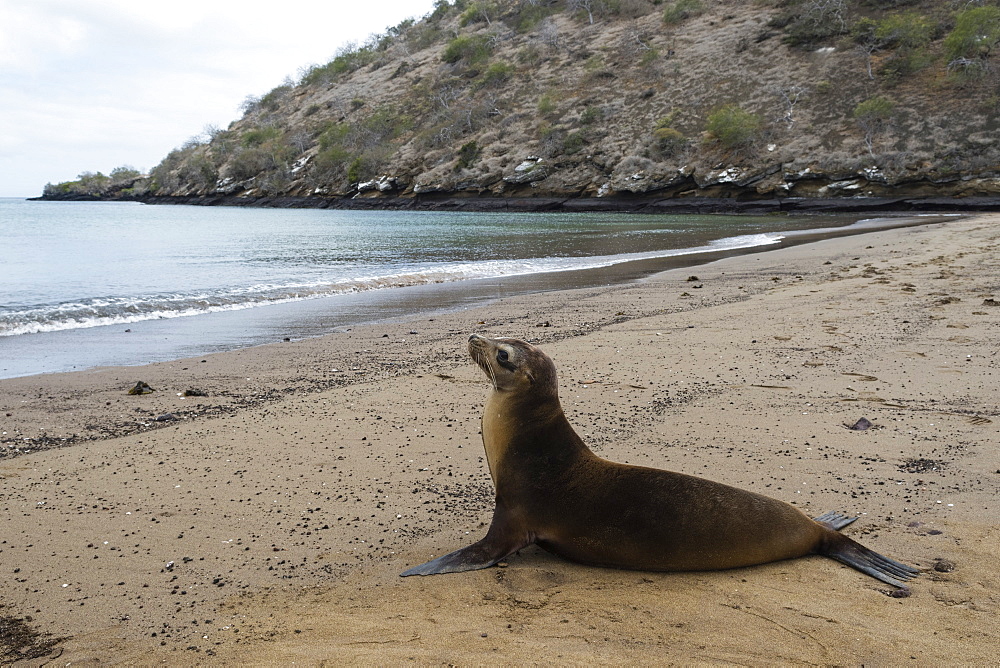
[
  {"x": 846, "y": 551},
  {"x": 834, "y": 520},
  {"x": 501, "y": 540}
]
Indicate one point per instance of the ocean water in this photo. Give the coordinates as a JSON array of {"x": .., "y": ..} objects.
[{"x": 73, "y": 275}]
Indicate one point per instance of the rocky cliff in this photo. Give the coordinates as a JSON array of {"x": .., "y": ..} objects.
[{"x": 622, "y": 99}]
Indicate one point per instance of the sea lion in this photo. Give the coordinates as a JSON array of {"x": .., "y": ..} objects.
[{"x": 553, "y": 491}]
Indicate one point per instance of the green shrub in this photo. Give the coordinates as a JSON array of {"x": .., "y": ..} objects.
[
  {"x": 198, "y": 170},
  {"x": 92, "y": 183},
  {"x": 249, "y": 163},
  {"x": 350, "y": 58},
  {"x": 272, "y": 100},
  {"x": 680, "y": 10},
  {"x": 423, "y": 35},
  {"x": 331, "y": 161},
  {"x": 668, "y": 120},
  {"x": 258, "y": 136},
  {"x": 124, "y": 173},
  {"x": 573, "y": 143},
  {"x": 526, "y": 16},
  {"x": 472, "y": 49},
  {"x": 468, "y": 154},
  {"x": 649, "y": 56},
  {"x": 909, "y": 30},
  {"x": 976, "y": 32},
  {"x": 441, "y": 10},
  {"x": 546, "y": 105},
  {"x": 873, "y": 117},
  {"x": 812, "y": 22},
  {"x": 333, "y": 135},
  {"x": 496, "y": 74},
  {"x": 733, "y": 127},
  {"x": 594, "y": 64},
  {"x": 591, "y": 114},
  {"x": 875, "y": 108},
  {"x": 668, "y": 140},
  {"x": 354, "y": 172},
  {"x": 477, "y": 12}
]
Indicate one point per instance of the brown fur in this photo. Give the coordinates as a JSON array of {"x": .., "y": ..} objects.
[{"x": 553, "y": 491}]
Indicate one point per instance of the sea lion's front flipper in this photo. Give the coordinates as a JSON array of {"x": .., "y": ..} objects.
[{"x": 501, "y": 540}]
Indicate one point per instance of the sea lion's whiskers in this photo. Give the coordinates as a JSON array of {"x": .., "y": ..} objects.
[{"x": 493, "y": 376}]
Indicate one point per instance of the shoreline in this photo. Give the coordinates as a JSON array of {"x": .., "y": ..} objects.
[
  {"x": 168, "y": 338},
  {"x": 267, "y": 522},
  {"x": 474, "y": 202}
]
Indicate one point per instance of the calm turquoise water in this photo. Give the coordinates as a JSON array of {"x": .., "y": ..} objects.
[{"x": 74, "y": 266}]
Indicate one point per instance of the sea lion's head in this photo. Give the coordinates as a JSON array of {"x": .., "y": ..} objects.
[{"x": 513, "y": 365}]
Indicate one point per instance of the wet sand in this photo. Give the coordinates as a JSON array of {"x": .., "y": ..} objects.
[{"x": 266, "y": 522}]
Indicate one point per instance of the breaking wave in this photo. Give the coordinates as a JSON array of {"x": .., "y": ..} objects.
[{"x": 123, "y": 310}]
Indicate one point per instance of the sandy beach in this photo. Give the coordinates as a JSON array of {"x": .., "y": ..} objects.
[{"x": 264, "y": 520}]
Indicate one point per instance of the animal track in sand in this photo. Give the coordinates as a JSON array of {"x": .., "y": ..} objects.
[{"x": 861, "y": 376}]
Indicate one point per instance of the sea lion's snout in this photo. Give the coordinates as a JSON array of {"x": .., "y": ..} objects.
[{"x": 477, "y": 344}]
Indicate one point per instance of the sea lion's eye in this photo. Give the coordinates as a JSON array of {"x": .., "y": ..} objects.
[{"x": 502, "y": 356}]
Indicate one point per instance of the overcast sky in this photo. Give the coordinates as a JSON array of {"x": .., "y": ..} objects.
[{"x": 90, "y": 85}]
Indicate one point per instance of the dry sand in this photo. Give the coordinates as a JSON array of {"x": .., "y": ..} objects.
[{"x": 267, "y": 522}]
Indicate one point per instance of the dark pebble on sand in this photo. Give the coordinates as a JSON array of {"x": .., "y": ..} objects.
[
  {"x": 902, "y": 592},
  {"x": 861, "y": 425},
  {"x": 944, "y": 566},
  {"x": 166, "y": 417}
]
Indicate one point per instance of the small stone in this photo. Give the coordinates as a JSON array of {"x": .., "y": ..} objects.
[
  {"x": 861, "y": 425},
  {"x": 902, "y": 592},
  {"x": 944, "y": 566}
]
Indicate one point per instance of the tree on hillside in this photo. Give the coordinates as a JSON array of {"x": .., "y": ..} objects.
[
  {"x": 976, "y": 33},
  {"x": 874, "y": 117},
  {"x": 588, "y": 6}
]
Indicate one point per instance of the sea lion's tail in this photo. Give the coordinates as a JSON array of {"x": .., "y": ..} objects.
[{"x": 846, "y": 551}]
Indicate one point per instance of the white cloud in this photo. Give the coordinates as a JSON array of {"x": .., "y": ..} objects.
[{"x": 89, "y": 85}]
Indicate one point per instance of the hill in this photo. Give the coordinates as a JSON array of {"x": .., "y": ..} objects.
[{"x": 618, "y": 99}]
